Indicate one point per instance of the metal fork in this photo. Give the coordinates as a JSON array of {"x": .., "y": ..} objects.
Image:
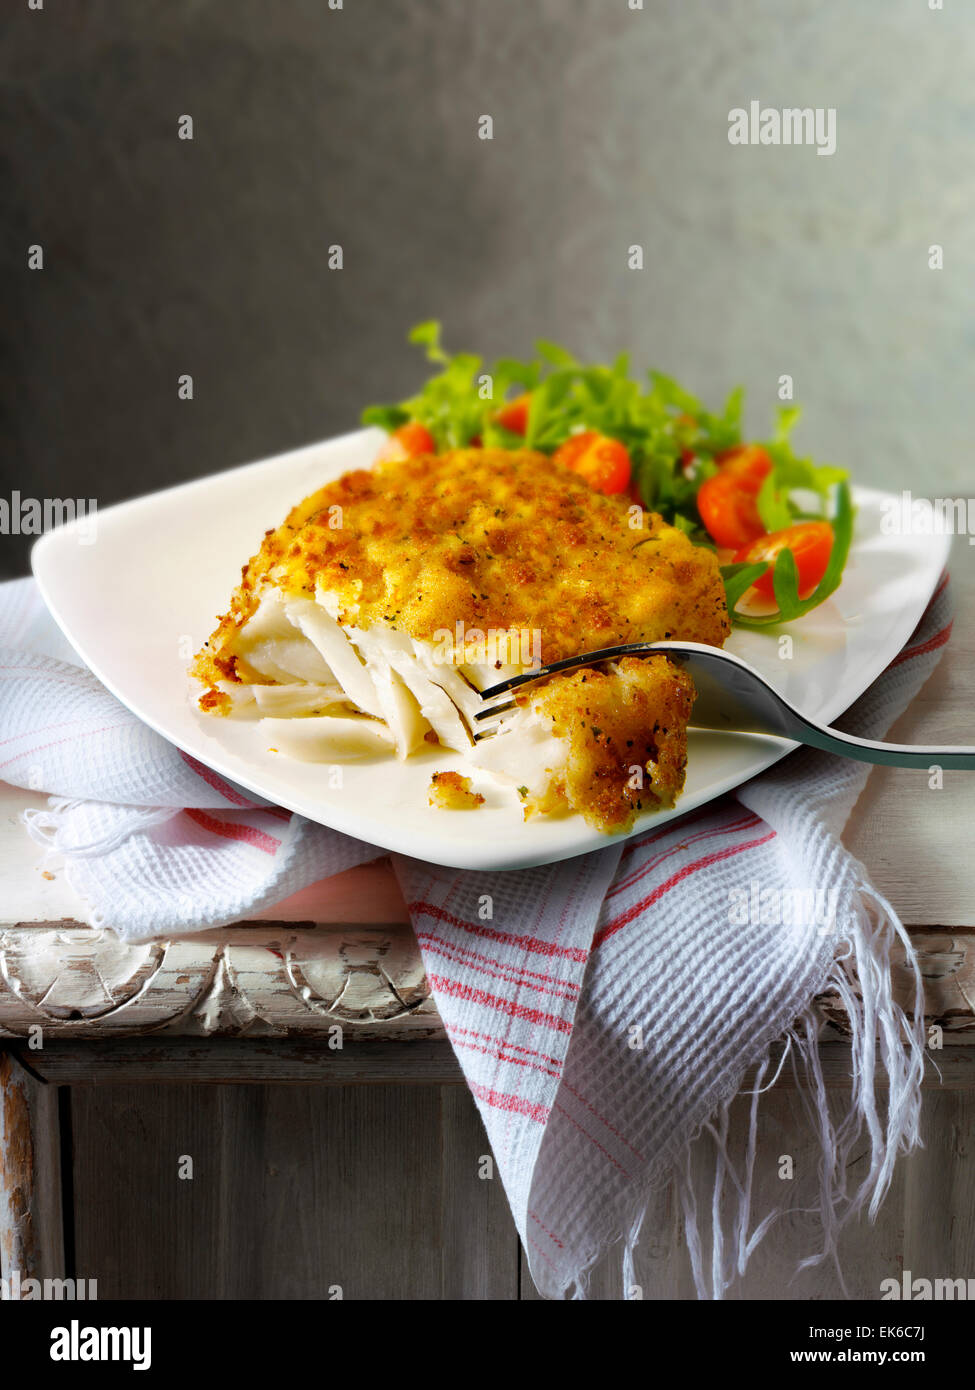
[{"x": 734, "y": 698}]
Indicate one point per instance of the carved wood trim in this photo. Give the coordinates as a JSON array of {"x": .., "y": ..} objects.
[
  {"x": 259, "y": 979},
  {"x": 947, "y": 961},
  {"x": 265, "y": 979}
]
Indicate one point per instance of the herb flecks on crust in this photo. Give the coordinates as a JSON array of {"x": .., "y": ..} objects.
[{"x": 626, "y": 732}]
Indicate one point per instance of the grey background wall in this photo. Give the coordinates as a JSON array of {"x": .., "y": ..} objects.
[{"x": 359, "y": 126}]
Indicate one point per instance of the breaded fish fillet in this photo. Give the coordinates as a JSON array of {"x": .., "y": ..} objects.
[{"x": 379, "y": 595}]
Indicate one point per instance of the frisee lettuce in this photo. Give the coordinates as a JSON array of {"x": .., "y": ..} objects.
[{"x": 776, "y": 506}]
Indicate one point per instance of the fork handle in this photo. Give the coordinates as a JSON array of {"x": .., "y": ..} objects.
[
  {"x": 867, "y": 750},
  {"x": 732, "y": 695}
]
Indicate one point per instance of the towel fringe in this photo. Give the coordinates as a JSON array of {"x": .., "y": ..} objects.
[
  {"x": 885, "y": 1041},
  {"x": 49, "y": 827},
  {"x": 882, "y": 1037}
]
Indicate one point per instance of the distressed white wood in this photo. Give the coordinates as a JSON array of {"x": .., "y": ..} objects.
[
  {"x": 31, "y": 890},
  {"x": 31, "y": 1237},
  {"x": 256, "y": 980},
  {"x": 278, "y": 979}
]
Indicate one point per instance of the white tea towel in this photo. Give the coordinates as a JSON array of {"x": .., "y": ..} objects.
[
  {"x": 604, "y": 1009},
  {"x": 154, "y": 841}
]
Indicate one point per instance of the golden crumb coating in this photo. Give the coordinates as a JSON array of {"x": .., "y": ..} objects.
[
  {"x": 493, "y": 539},
  {"x": 452, "y": 792},
  {"x": 626, "y": 729}
]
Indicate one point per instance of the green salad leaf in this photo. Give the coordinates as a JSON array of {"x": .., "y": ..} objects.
[
  {"x": 737, "y": 578},
  {"x": 776, "y": 506}
]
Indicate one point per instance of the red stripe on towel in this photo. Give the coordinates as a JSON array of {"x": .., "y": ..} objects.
[
  {"x": 246, "y": 834},
  {"x": 218, "y": 784},
  {"x": 501, "y": 1006},
  {"x": 527, "y": 943},
  {"x": 500, "y": 1101},
  {"x": 618, "y": 923}
]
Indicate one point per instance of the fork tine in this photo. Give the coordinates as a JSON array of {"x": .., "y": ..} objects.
[
  {"x": 569, "y": 663},
  {"x": 490, "y": 710},
  {"x": 481, "y": 729}
]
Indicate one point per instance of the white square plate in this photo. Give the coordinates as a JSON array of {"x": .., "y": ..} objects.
[{"x": 140, "y": 600}]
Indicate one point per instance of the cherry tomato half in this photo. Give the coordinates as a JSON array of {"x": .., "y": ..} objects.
[
  {"x": 728, "y": 502},
  {"x": 603, "y": 462},
  {"x": 574, "y": 447},
  {"x": 407, "y": 442},
  {"x": 514, "y": 415},
  {"x": 729, "y": 510},
  {"x": 810, "y": 542},
  {"x": 749, "y": 463}
]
